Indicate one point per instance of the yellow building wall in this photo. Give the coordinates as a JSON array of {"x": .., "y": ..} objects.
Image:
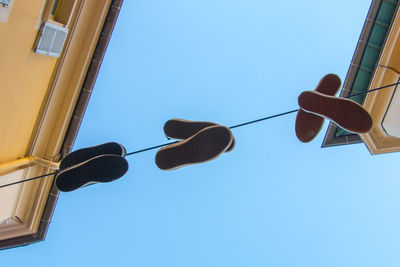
[
  {"x": 377, "y": 103},
  {"x": 24, "y": 78},
  {"x": 38, "y": 94}
]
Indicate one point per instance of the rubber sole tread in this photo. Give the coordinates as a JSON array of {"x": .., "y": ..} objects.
[
  {"x": 183, "y": 129},
  {"x": 346, "y": 113},
  {"x": 100, "y": 169},
  {"x": 204, "y": 146},
  {"x": 308, "y": 125}
]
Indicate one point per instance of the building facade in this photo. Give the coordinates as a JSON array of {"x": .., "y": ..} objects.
[
  {"x": 375, "y": 64},
  {"x": 51, "y": 53}
]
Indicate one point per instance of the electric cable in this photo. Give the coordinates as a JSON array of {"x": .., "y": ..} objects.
[
  {"x": 30, "y": 179},
  {"x": 232, "y": 127}
]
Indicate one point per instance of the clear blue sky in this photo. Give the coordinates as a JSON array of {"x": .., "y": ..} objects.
[{"x": 273, "y": 201}]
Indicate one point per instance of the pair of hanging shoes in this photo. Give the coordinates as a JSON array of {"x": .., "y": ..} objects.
[
  {"x": 201, "y": 142},
  {"x": 321, "y": 103},
  {"x": 97, "y": 164}
]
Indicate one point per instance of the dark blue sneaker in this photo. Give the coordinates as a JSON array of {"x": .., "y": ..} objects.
[
  {"x": 99, "y": 169},
  {"x": 81, "y": 155}
]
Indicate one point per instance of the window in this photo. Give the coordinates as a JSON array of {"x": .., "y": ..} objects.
[
  {"x": 4, "y": 3},
  {"x": 51, "y": 39},
  {"x": 61, "y": 11}
]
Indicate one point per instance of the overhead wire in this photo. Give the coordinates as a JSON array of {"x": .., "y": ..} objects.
[
  {"x": 231, "y": 127},
  {"x": 30, "y": 179}
]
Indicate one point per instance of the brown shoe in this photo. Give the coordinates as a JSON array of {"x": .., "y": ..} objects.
[
  {"x": 346, "y": 113},
  {"x": 308, "y": 125},
  {"x": 205, "y": 145},
  {"x": 183, "y": 129}
]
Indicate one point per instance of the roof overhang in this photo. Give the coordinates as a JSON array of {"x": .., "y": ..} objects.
[
  {"x": 72, "y": 128},
  {"x": 378, "y": 35}
]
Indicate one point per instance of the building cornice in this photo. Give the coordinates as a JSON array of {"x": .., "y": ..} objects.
[
  {"x": 359, "y": 76},
  {"x": 71, "y": 131}
]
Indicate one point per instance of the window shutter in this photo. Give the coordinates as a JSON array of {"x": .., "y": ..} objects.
[{"x": 51, "y": 39}]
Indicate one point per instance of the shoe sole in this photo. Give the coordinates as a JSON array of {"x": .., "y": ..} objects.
[
  {"x": 100, "y": 169},
  {"x": 81, "y": 155},
  {"x": 308, "y": 125},
  {"x": 204, "y": 146},
  {"x": 184, "y": 129},
  {"x": 346, "y": 113}
]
